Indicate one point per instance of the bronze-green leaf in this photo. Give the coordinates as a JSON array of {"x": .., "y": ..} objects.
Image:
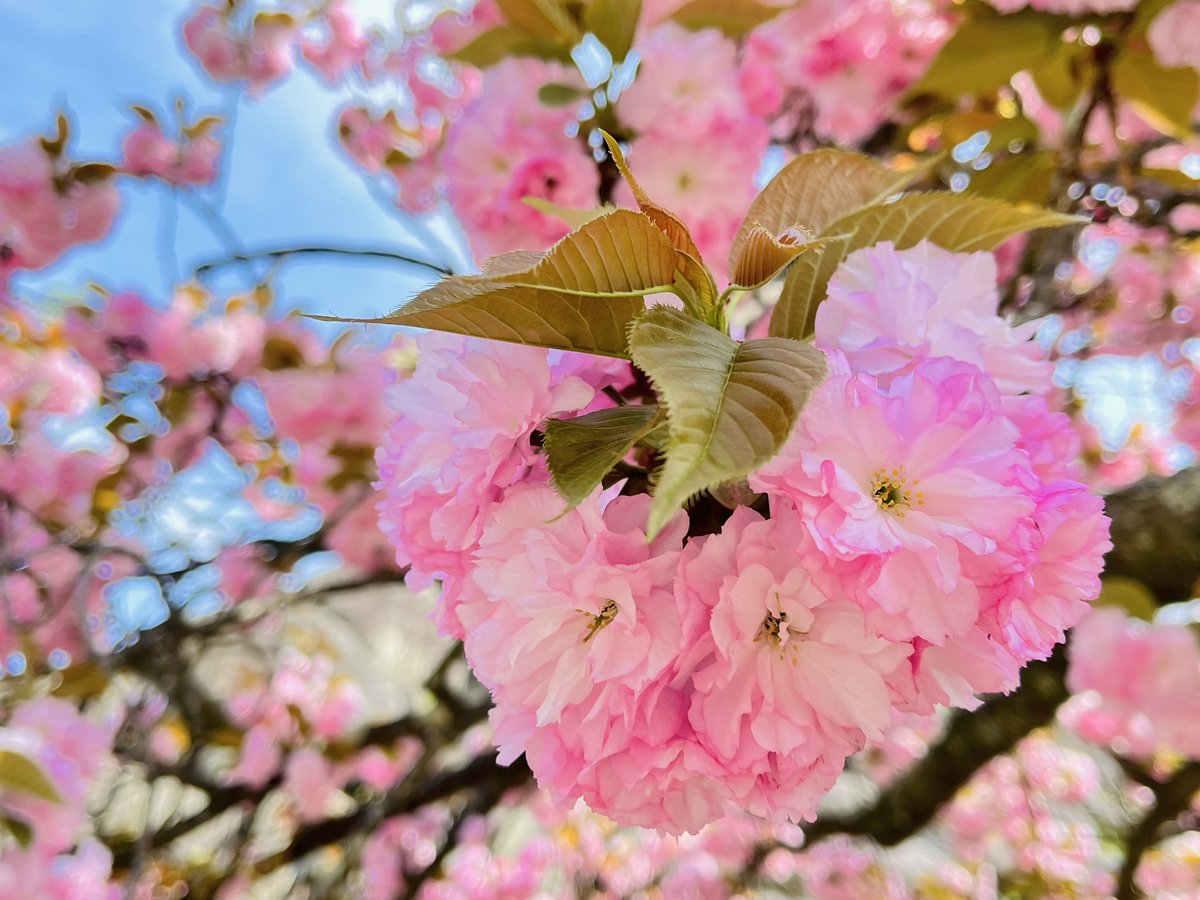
[
  {"x": 556, "y": 94},
  {"x": 579, "y": 295},
  {"x": 959, "y": 222},
  {"x": 730, "y": 406},
  {"x": 986, "y": 50},
  {"x": 542, "y": 19},
  {"x": 736, "y": 18},
  {"x": 20, "y": 773},
  {"x": 614, "y": 22},
  {"x": 504, "y": 41},
  {"x": 572, "y": 216},
  {"x": 581, "y": 451},
  {"x": 697, "y": 287},
  {"x": 1164, "y": 97},
  {"x": 764, "y": 255},
  {"x": 816, "y": 188}
]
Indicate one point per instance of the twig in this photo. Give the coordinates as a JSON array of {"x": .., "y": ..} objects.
[
  {"x": 278, "y": 253},
  {"x": 1171, "y": 798}
]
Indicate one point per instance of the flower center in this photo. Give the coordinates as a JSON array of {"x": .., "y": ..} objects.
[
  {"x": 774, "y": 630},
  {"x": 892, "y": 490},
  {"x": 607, "y": 613}
]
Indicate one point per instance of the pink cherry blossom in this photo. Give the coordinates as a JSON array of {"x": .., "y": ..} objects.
[
  {"x": 705, "y": 177},
  {"x": 887, "y": 307},
  {"x": 1138, "y": 684},
  {"x": 581, "y": 609},
  {"x": 311, "y": 781},
  {"x": 344, "y": 44},
  {"x": 903, "y": 482},
  {"x": 671, "y": 87},
  {"x": 792, "y": 670},
  {"x": 463, "y": 440},
  {"x": 506, "y": 146}
]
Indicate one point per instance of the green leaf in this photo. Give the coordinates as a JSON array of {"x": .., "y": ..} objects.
[
  {"x": 1024, "y": 178},
  {"x": 581, "y": 451},
  {"x": 1060, "y": 77},
  {"x": 694, "y": 283},
  {"x": 502, "y": 42},
  {"x": 1163, "y": 97},
  {"x": 959, "y": 222},
  {"x": 576, "y": 218},
  {"x": 620, "y": 253},
  {"x": 541, "y": 19},
  {"x": 763, "y": 256},
  {"x": 736, "y": 18},
  {"x": 987, "y": 50},
  {"x": 816, "y": 188},
  {"x": 962, "y": 125},
  {"x": 19, "y": 773},
  {"x": 554, "y": 94},
  {"x": 730, "y": 406},
  {"x": 1173, "y": 177},
  {"x": 1129, "y": 594},
  {"x": 614, "y": 23},
  {"x": 580, "y": 295},
  {"x": 22, "y": 832}
]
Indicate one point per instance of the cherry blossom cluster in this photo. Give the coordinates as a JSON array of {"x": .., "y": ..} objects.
[
  {"x": 483, "y": 139},
  {"x": 927, "y": 536},
  {"x": 1135, "y": 685},
  {"x": 235, "y": 44},
  {"x": 103, "y": 407},
  {"x": 60, "y": 856},
  {"x": 49, "y": 203},
  {"x": 190, "y": 160}
]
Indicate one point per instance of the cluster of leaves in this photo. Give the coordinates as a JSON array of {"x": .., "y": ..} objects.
[
  {"x": 726, "y": 407},
  {"x": 1074, "y": 61},
  {"x": 551, "y": 29}
]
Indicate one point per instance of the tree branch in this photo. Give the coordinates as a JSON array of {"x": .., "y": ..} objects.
[
  {"x": 279, "y": 253},
  {"x": 1156, "y": 539},
  {"x": 972, "y": 739},
  {"x": 1171, "y": 798},
  {"x": 1156, "y": 534}
]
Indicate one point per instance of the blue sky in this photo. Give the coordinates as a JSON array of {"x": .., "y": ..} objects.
[{"x": 287, "y": 181}]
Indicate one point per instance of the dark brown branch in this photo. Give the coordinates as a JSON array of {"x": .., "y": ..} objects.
[
  {"x": 972, "y": 739},
  {"x": 279, "y": 253},
  {"x": 483, "y": 774},
  {"x": 1171, "y": 798},
  {"x": 1156, "y": 534}
]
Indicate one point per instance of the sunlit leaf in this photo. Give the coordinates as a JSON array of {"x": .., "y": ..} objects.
[
  {"x": 816, "y": 188},
  {"x": 581, "y": 451},
  {"x": 1060, "y": 77},
  {"x": 22, "y": 832},
  {"x": 614, "y": 22},
  {"x": 85, "y": 679},
  {"x": 542, "y": 19},
  {"x": 555, "y": 94},
  {"x": 986, "y": 50},
  {"x": 730, "y": 406},
  {"x": 1129, "y": 594},
  {"x": 145, "y": 114},
  {"x": 959, "y": 222},
  {"x": 501, "y": 42},
  {"x": 763, "y": 255},
  {"x": 1164, "y": 97},
  {"x": 699, "y": 291},
  {"x": 579, "y": 295},
  {"x": 576, "y": 218},
  {"x": 19, "y": 773},
  {"x": 203, "y": 126},
  {"x": 736, "y": 18},
  {"x": 1024, "y": 178}
]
